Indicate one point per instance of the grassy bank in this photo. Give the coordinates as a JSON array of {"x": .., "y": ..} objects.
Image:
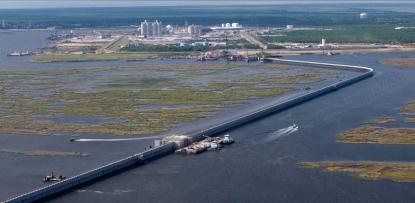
[
  {"x": 50, "y": 58},
  {"x": 43, "y": 153},
  {"x": 136, "y": 100},
  {"x": 407, "y": 62},
  {"x": 383, "y": 120},
  {"x": 399, "y": 172},
  {"x": 370, "y": 134},
  {"x": 378, "y": 135}
]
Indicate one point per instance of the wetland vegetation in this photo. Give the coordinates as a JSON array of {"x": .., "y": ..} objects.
[
  {"x": 398, "y": 172},
  {"x": 407, "y": 62},
  {"x": 43, "y": 153},
  {"x": 52, "y": 58},
  {"x": 383, "y": 120},
  {"x": 370, "y": 134},
  {"x": 135, "y": 100},
  {"x": 374, "y": 133},
  {"x": 378, "y": 135}
]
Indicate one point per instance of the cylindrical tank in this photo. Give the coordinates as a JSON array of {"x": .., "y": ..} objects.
[{"x": 236, "y": 25}]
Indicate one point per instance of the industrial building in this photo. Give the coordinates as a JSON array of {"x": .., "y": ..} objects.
[
  {"x": 153, "y": 29},
  {"x": 290, "y": 27},
  {"x": 194, "y": 30},
  {"x": 228, "y": 26}
]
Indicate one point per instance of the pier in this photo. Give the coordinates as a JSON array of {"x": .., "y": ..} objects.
[{"x": 169, "y": 146}]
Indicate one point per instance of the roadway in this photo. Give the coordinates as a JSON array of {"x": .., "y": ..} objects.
[{"x": 252, "y": 39}]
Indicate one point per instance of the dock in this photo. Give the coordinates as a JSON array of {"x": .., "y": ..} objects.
[{"x": 167, "y": 146}]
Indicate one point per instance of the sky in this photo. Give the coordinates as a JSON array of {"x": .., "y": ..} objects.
[{"x": 20, "y": 4}]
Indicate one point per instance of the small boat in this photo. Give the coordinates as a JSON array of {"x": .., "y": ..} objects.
[
  {"x": 19, "y": 53},
  {"x": 14, "y": 54},
  {"x": 53, "y": 178},
  {"x": 74, "y": 138},
  {"x": 214, "y": 145},
  {"x": 227, "y": 139}
]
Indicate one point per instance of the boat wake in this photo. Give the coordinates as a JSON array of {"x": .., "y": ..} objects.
[
  {"x": 281, "y": 133},
  {"x": 114, "y": 140},
  {"x": 114, "y": 192}
]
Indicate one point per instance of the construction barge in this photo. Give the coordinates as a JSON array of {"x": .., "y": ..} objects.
[
  {"x": 184, "y": 143},
  {"x": 21, "y": 53},
  {"x": 208, "y": 144}
]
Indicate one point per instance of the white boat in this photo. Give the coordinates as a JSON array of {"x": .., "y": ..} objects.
[{"x": 227, "y": 139}]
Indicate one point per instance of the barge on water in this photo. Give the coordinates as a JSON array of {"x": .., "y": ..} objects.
[
  {"x": 208, "y": 144},
  {"x": 21, "y": 53}
]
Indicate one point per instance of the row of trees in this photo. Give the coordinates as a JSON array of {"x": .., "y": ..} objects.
[{"x": 381, "y": 34}]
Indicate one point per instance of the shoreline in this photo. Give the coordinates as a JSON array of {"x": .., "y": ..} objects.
[{"x": 142, "y": 56}]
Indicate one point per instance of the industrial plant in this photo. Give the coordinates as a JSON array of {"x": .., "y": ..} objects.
[
  {"x": 152, "y": 29},
  {"x": 228, "y": 40},
  {"x": 228, "y": 26}
]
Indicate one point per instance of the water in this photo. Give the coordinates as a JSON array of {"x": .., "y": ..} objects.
[
  {"x": 283, "y": 132},
  {"x": 253, "y": 169}
]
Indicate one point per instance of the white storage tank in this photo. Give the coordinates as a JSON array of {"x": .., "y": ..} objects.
[{"x": 323, "y": 42}]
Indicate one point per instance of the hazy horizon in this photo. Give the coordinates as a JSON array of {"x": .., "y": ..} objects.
[{"x": 25, "y": 4}]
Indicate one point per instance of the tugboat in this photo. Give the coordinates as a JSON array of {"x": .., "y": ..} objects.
[
  {"x": 227, "y": 140},
  {"x": 53, "y": 178},
  {"x": 214, "y": 145}
]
